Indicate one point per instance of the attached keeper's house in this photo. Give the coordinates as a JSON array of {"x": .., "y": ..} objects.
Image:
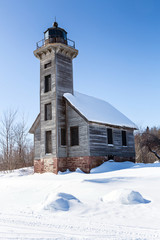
[{"x": 74, "y": 130}]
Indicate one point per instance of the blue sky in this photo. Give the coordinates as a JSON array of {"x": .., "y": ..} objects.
[{"x": 119, "y": 53}]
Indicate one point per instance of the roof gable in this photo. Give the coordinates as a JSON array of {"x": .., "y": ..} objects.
[
  {"x": 97, "y": 110},
  {"x": 35, "y": 124}
]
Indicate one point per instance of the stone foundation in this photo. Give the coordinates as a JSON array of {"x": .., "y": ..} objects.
[
  {"x": 46, "y": 165},
  {"x": 123, "y": 159},
  {"x": 85, "y": 163}
]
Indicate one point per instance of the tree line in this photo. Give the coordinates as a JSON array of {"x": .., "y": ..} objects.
[
  {"x": 147, "y": 145},
  {"x": 16, "y": 148}
]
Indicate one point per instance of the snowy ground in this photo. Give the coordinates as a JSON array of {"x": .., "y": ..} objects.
[{"x": 117, "y": 201}]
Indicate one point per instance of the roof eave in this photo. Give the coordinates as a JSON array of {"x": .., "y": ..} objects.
[
  {"x": 113, "y": 125},
  {"x": 34, "y": 125}
]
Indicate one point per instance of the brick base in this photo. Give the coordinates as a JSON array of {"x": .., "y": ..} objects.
[
  {"x": 123, "y": 159},
  {"x": 85, "y": 163},
  {"x": 46, "y": 165}
]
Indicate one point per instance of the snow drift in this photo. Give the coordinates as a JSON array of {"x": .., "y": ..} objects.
[
  {"x": 102, "y": 205},
  {"x": 59, "y": 202},
  {"x": 111, "y": 165},
  {"x": 124, "y": 196}
]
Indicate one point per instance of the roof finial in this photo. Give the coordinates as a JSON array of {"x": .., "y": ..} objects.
[{"x": 55, "y": 24}]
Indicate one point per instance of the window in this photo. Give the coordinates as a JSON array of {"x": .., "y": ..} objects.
[
  {"x": 63, "y": 136},
  {"x": 124, "y": 138},
  {"x": 47, "y": 65},
  {"x": 48, "y": 112},
  {"x": 47, "y": 83},
  {"x": 48, "y": 138},
  {"x": 74, "y": 134},
  {"x": 110, "y": 136}
]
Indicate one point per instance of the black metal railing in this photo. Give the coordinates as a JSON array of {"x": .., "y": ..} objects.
[{"x": 52, "y": 39}]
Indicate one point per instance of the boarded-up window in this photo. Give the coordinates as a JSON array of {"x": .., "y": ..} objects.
[
  {"x": 110, "y": 136},
  {"x": 47, "y": 65},
  {"x": 48, "y": 142},
  {"x": 48, "y": 111},
  {"x": 124, "y": 138},
  {"x": 47, "y": 83},
  {"x": 63, "y": 136},
  {"x": 74, "y": 134}
]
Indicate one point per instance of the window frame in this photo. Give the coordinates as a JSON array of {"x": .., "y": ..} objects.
[
  {"x": 63, "y": 137},
  {"x": 47, "y": 65},
  {"x": 124, "y": 138},
  {"x": 74, "y": 141},
  {"x": 47, "y": 83},
  {"x": 109, "y": 136},
  {"x": 48, "y": 142},
  {"x": 46, "y": 114}
]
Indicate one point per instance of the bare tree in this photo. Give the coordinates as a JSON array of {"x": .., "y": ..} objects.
[
  {"x": 29, "y": 153},
  {"x": 20, "y": 133},
  {"x": 7, "y": 137},
  {"x": 16, "y": 149},
  {"x": 151, "y": 139},
  {"x": 23, "y": 145},
  {"x": 147, "y": 144}
]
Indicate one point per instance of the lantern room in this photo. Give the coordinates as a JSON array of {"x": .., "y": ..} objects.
[{"x": 55, "y": 35}]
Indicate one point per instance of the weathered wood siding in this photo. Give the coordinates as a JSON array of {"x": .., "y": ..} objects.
[
  {"x": 64, "y": 84},
  {"x": 37, "y": 140},
  {"x": 98, "y": 142},
  {"x": 74, "y": 119},
  {"x": 47, "y": 97},
  {"x": 61, "y": 82}
]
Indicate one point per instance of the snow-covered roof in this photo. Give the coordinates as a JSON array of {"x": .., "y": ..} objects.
[{"x": 97, "y": 110}]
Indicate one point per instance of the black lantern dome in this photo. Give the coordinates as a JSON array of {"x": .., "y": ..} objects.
[{"x": 55, "y": 34}]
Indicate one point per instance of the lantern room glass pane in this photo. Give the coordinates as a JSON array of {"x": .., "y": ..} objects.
[
  {"x": 65, "y": 35},
  {"x": 46, "y": 35}
]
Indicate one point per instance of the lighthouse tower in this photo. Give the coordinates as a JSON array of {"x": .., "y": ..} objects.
[{"x": 55, "y": 53}]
